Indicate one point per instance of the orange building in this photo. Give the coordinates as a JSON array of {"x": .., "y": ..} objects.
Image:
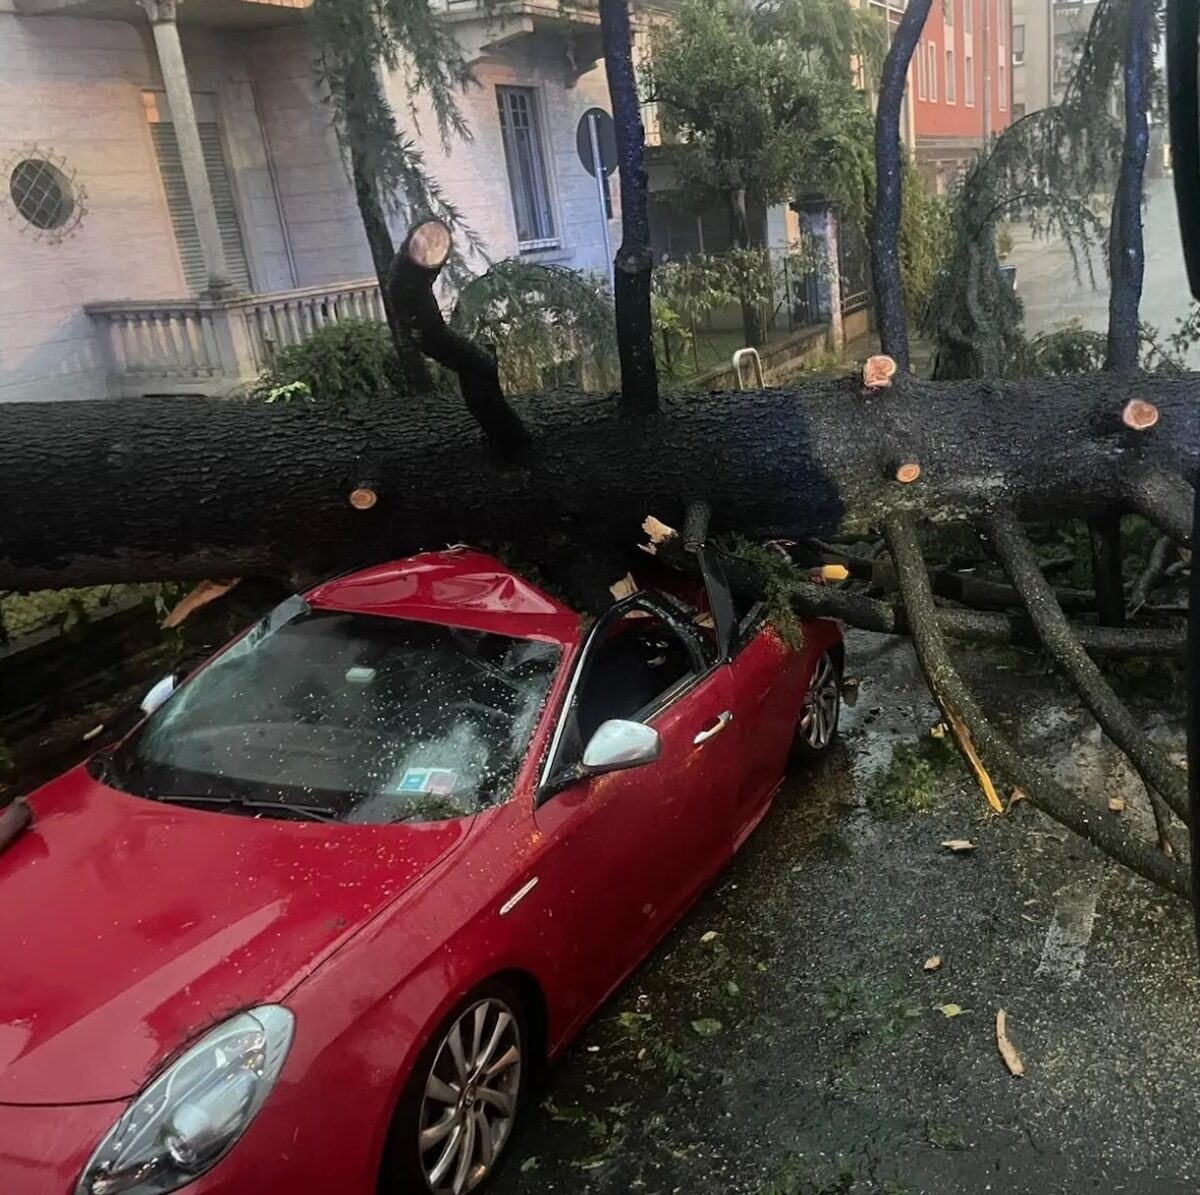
[{"x": 959, "y": 82}]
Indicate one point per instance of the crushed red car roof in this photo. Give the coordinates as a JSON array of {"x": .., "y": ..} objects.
[{"x": 459, "y": 587}]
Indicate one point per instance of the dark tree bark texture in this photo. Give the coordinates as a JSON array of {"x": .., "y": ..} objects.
[
  {"x": 199, "y": 488},
  {"x": 634, "y": 261},
  {"x": 885, "y": 241}
]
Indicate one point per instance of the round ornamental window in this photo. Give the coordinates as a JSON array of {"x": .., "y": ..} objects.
[{"x": 41, "y": 193}]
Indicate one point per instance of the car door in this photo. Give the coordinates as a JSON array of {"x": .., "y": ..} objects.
[{"x": 629, "y": 850}]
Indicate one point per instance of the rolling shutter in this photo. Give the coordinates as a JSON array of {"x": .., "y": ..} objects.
[{"x": 166, "y": 148}]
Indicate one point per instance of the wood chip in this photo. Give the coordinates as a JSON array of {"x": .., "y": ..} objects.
[
  {"x": 933, "y": 962},
  {"x": 201, "y": 595},
  {"x": 657, "y": 530},
  {"x": 91, "y": 734},
  {"x": 1116, "y": 805},
  {"x": 963, "y": 735},
  {"x": 623, "y": 588},
  {"x": 1007, "y": 1051},
  {"x": 958, "y": 844}
]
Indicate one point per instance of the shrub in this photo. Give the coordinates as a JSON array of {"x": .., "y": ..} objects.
[{"x": 343, "y": 362}]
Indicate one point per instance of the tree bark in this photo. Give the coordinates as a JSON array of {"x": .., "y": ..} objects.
[
  {"x": 634, "y": 260},
  {"x": 379, "y": 239},
  {"x": 125, "y": 489},
  {"x": 885, "y": 243}
]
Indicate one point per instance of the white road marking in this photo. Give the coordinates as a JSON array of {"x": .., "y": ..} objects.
[{"x": 1065, "y": 948}]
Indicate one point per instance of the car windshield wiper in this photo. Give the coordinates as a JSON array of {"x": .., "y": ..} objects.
[{"x": 311, "y": 812}]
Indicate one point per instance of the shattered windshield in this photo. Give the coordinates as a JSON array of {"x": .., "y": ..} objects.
[{"x": 366, "y": 719}]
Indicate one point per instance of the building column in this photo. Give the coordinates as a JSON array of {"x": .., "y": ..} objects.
[{"x": 187, "y": 134}]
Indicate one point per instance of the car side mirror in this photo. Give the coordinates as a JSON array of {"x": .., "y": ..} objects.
[
  {"x": 158, "y": 693},
  {"x": 618, "y": 745}
]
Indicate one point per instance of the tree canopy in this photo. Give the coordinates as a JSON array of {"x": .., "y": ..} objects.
[{"x": 766, "y": 99}]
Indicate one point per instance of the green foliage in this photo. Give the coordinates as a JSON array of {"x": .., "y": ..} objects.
[
  {"x": 926, "y": 240},
  {"x": 408, "y": 39},
  {"x": 341, "y": 363},
  {"x": 910, "y": 782},
  {"x": 689, "y": 289},
  {"x": 779, "y": 578},
  {"x": 1043, "y": 168},
  {"x": 763, "y": 98},
  {"x": 544, "y": 322}
]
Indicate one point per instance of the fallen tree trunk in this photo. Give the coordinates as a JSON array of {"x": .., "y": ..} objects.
[{"x": 128, "y": 489}]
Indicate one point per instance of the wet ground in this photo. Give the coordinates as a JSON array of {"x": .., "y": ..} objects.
[{"x": 787, "y": 1040}]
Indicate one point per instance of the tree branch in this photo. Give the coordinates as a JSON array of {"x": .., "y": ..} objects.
[
  {"x": 415, "y": 269},
  {"x": 1165, "y": 500},
  {"x": 1017, "y": 556},
  {"x": 885, "y": 241},
  {"x": 634, "y": 261},
  {"x": 957, "y": 702}
]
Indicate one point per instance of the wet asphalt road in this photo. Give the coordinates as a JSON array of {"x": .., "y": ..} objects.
[
  {"x": 1053, "y": 295},
  {"x": 801, "y": 1051}
]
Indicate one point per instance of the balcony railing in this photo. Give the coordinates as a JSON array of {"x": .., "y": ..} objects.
[{"x": 218, "y": 346}]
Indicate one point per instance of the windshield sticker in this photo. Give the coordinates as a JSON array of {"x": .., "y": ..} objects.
[{"x": 439, "y": 781}]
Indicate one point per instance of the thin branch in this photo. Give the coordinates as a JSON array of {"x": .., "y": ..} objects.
[
  {"x": 415, "y": 269},
  {"x": 1017, "y": 556},
  {"x": 1154, "y": 571},
  {"x": 871, "y": 614},
  {"x": 957, "y": 700}
]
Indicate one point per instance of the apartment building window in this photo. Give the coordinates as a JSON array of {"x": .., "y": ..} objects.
[
  {"x": 1018, "y": 36},
  {"x": 1002, "y": 87},
  {"x": 948, "y": 13},
  {"x": 179, "y": 204},
  {"x": 933, "y": 71},
  {"x": 968, "y": 16},
  {"x": 968, "y": 80},
  {"x": 951, "y": 80},
  {"x": 922, "y": 84},
  {"x": 524, "y": 155}
]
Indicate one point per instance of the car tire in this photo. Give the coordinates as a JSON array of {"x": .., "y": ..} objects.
[
  {"x": 433, "y": 1113},
  {"x": 817, "y": 724}
]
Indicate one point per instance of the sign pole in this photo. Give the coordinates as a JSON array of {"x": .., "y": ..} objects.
[{"x": 598, "y": 171}]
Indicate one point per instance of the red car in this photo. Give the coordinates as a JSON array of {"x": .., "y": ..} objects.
[{"x": 318, "y": 921}]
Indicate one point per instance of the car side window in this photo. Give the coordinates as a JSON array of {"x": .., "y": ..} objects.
[{"x": 639, "y": 660}]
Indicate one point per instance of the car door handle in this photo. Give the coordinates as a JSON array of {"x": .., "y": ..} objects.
[{"x": 715, "y": 729}]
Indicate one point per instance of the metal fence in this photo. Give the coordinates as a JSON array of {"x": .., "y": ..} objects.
[{"x": 854, "y": 268}]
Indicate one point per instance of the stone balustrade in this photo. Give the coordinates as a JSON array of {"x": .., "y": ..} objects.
[{"x": 218, "y": 346}]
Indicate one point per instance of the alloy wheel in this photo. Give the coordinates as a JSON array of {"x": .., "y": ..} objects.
[
  {"x": 470, "y": 1099},
  {"x": 819, "y": 715}
]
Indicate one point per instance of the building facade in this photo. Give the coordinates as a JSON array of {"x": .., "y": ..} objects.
[
  {"x": 1048, "y": 37},
  {"x": 174, "y": 207},
  {"x": 960, "y": 82}
]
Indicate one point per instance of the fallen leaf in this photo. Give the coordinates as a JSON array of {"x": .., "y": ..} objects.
[
  {"x": 623, "y": 588},
  {"x": 201, "y": 595},
  {"x": 530, "y": 1164},
  {"x": 707, "y": 1026},
  {"x": 1017, "y": 794},
  {"x": 958, "y": 844},
  {"x": 938, "y": 731},
  {"x": 710, "y": 936},
  {"x": 933, "y": 962},
  {"x": 732, "y": 988},
  {"x": 950, "y": 1010},
  {"x": 1011, "y": 1058},
  {"x": 1116, "y": 805}
]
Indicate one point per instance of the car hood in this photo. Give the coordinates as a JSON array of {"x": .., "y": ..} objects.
[{"x": 127, "y": 926}]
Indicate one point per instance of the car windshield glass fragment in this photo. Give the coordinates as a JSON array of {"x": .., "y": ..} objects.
[{"x": 370, "y": 719}]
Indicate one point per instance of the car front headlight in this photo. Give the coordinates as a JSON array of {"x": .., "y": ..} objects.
[{"x": 189, "y": 1117}]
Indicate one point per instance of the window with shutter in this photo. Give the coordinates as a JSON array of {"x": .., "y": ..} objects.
[{"x": 166, "y": 148}]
